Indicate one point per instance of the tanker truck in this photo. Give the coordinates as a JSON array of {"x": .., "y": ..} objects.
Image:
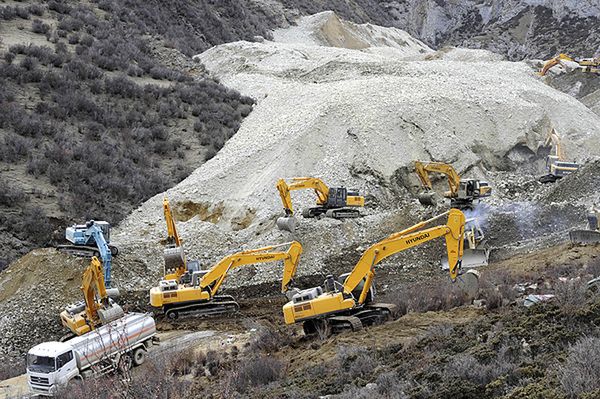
[{"x": 116, "y": 346}]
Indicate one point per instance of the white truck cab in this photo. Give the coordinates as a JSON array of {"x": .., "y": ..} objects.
[
  {"x": 118, "y": 345},
  {"x": 50, "y": 365}
]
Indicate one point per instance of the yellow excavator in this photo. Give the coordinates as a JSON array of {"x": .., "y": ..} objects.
[
  {"x": 348, "y": 302},
  {"x": 462, "y": 192},
  {"x": 592, "y": 234},
  {"x": 195, "y": 291},
  {"x": 557, "y": 164},
  {"x": 333, "y": 202},
  {"x": 591, "y": 65},
  {"x": 97, "y": 308}
]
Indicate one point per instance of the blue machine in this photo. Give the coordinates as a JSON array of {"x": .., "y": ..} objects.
[{"x": 91, "y": 239}]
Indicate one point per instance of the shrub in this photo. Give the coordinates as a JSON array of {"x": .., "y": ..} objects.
[
  {"x": 356, "y": 362},
  {"x": 580, "y": 373},
  {"x": 255, "y": 372},
  {"x": 571, "y": 294},
  {"x": 37, "y": 26},
  {"x": 10, "y": 195}
]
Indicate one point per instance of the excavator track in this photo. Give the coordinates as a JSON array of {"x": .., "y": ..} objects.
[
  {"x": 218, "y": 305},
  {"x": 338, "y": 213},
  {"x": 342, "y": 213},
  {"x": 85, "y": 251},
  {"x": 372, "y": 314}
]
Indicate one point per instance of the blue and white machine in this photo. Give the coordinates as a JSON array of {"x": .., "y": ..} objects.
[{"x": 91, "y": 239}]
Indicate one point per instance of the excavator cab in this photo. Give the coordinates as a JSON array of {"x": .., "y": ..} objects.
[{"x": 337, "y": 197}]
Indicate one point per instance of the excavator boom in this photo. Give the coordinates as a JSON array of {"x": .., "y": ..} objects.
[{"x": 175, "y": 260}]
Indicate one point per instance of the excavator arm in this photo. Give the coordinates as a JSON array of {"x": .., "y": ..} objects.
[
  {"x": 553, "y": 62},
  {"x": 453, "y": 231},
  {"x": 301, "y": 183},
  {"x": 172, "y": 236},
  {"x": 423, "y": 170},
  {"x": 214, "y": 278},
  {"x": 105, "y": 252},
  {"x": 92, "y": 286},
  {"x": 175, "y": 260},
  {"x": 554, "y": 139}
]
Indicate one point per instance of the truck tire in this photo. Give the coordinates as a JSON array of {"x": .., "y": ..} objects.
[
  {"x": 139, "y": 356},
  {"x": 125, "y": 363}
]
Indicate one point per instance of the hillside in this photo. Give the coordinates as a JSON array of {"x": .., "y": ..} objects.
[
  {"x": 107, "y": 107},
  {"x": 88, "y": 45}
]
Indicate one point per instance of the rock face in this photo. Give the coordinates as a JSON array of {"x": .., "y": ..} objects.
[
  {"x": 356, "y": 105},
  {"x": 517, "y": 28}
]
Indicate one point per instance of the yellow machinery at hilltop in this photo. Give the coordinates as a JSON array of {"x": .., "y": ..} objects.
[
  {"x": 334, "y": 202},
  {"x": 195, "y": 291},
  {"x": 349, "y": 301},
  {"x": 97, "y": 308},
  {"x": 462, "y": 192},
  {"x": 590, "y": 65}
]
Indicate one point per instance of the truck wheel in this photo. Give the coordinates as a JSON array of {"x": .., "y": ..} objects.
[
  {"x": 139, "y": 356},
  {"x": 125, "y": 363}
]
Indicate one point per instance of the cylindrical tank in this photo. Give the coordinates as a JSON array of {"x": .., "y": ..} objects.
[{"x": 111, "y": 338}]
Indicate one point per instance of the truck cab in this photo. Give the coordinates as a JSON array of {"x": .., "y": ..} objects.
[{"x": 50, "y": 365}]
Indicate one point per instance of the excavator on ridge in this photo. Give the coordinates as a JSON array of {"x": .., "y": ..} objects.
[
  {"x": 590, "y": 65},
  {"x": 333, "y": 202},
  {"x": 557, "y": 164},
  {"x": 196, "y": 291},
  {"x": 592, "y": 234},
  {"x": 463, "y": 192},
  {"x": 348, "y": 303},
  {"x": 98, "y": 308}
]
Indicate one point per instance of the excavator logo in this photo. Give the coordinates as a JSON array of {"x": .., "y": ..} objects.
[
  {"x": 265, "y": 257},
  {"x": 417, "y": 238}
]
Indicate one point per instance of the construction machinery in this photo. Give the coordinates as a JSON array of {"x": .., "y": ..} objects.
[
  {"x": 348, "y": 303},
  {"x": 91, "y": 239},
  {"x": 333, "y": 202},
  {"x": 476, "y": 251},
  {"x": 97, "y": 308},
  {"x": 592, "y": 234},
  {"x": 557, "y": 164},
  {"x": 174, "y": 256},
  {"x": 590, "y": 65},
  {"x": 195, "y": 291},
  {"x": 462, "y": 193},
  {"x": 117, "y": 346}
]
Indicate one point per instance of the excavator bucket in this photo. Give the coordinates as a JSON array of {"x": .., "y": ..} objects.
[
  {"x": 472, "y": 258},
  {"x": 287, "y": 223},
  {"x": 174, "y": 257},
  {"x": 584, "y": 236},
  {"x": 428, "y": 198}
]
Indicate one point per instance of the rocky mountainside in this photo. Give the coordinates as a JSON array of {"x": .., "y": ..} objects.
[
  {"x": 359, "y": 118},
  {"x": 516, "y": 28}
]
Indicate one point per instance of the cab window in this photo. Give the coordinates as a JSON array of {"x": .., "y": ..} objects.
[{"x": 64, "y": 359}]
